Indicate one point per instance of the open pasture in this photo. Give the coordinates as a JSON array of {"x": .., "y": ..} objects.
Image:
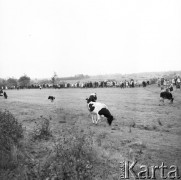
[{"x": 142, "y": 130}]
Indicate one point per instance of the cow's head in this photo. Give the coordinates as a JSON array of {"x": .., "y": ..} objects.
[
  {"x": 110, "y": 119},
  {"x": 92, "y": 98}
]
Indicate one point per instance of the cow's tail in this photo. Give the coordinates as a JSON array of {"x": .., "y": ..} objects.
[{"x": 172, "y": 99}]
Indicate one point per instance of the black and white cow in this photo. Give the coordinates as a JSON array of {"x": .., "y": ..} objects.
[
  {"x": 98, "y": 109},
  {"x": 166, "y": 95},
  {"x": 51, "y": 98}
]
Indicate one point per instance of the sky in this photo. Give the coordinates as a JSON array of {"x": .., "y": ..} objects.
[{"x": 93, "y": 37}]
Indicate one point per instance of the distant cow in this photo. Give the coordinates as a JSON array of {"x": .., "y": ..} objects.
[
  {"x": 144, "y": 84},
  {"x": 5, "y": 95},
  {"x": 51, "y": 98},
  {"x": 166, "y": 95},
  {"x": 1, "y": 92}
]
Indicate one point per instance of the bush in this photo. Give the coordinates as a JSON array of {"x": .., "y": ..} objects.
[
  {"x": 73, "y": 158},
  {"x": 11, "y": 156},
  {"x": 42, "y": 130},
  {"x": 10, "y": 133}
]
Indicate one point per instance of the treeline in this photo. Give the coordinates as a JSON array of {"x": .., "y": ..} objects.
[
  {"x": 25, "y": 81},
  {"x": 13, "y": 82},
  {"x": 76, "y": 77}
]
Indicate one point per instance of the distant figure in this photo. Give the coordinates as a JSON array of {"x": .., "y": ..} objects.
[
  {"x": 51, "y": 98},
  {"x": 5, "y": 95},
  {"x": 178, "y": 83},
  {"x": 173, "y": 81},
  {"x": 144, "y": 84},
  {"x": 171, "y": 87}
]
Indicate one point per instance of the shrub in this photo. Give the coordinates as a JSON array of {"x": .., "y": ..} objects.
[
  {"x": 10, "y": 133},
  {"x": 42, "y": 130},
  {"x": 73, "y": 158},
  {"x": 11, "y": 156}
]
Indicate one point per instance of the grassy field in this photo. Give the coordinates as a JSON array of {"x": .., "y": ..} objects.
[{"x": 142, "y": 130}]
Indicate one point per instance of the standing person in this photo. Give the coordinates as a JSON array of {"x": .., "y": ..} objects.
[
  {"x": 171, "y": 87},
  {"x": 173, "y": 81},
  {"x": 178, "y": 82},
  {"x": 165, "y": 82},
  {"x": 162, "y": 81},
  {"x": 159, "y": 82}
]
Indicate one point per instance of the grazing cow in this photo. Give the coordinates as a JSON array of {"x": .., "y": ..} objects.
[
  {"x": 51, "y": 98},
  {"x": 166, "y": 95},
  {"x": 98, "y": 109},
  {"x": 5, "y": 95}
]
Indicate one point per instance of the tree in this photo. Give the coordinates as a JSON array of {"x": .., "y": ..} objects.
[
  {"x": 3, "y": 83},
  {"x": 54, "y": 78},
  {"x": 12, "y": 82},
  {"x": 24, "y": 81}
]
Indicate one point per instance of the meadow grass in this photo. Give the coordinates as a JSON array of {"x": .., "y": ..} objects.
[{"x": 142, "y": 129}]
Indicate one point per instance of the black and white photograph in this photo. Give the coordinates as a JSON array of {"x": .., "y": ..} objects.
[{"x": 90, "y": 89}]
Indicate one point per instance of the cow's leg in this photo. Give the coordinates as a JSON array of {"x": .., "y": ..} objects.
[
  {"x": 98, "y": 117},
  {"x": 162, "y": 100},
  {"x": 95, "y": 118},
  {"x": 92, "y": 117},
  {"x": 171, "y": 101}
]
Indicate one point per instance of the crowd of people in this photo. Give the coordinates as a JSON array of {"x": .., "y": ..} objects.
[{"x": 167, "y": 83}]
